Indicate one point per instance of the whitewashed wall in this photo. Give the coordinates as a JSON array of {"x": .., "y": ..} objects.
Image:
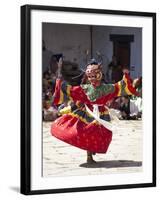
[
  {"x": 71, "y": 40},
  {"x": 74, "y": 40},
  {"x": 102, "y": 44}
]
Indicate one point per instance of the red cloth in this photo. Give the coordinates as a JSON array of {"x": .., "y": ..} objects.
[{"x": 92, "y": 137}]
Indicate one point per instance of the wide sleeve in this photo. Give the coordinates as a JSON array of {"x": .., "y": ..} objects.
[
  {"x": 125, "y": 87},
  {"x": 65, "y": 92},
  {"x": 121, "y": 88}
]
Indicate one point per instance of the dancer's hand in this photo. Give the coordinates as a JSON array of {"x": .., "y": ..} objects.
[{"x": 125, "y": 71}]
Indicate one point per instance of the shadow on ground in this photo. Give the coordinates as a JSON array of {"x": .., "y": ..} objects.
[
  {"x": 15, "y": 189},
  {"x": 113, "y": 164}
]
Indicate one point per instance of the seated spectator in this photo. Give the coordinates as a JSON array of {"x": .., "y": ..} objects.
[
  {"x": 115, "y": 103},
  {"x": 49, "y": 112},
  {"x": 129, "y": 110},
  {"x": 137, "y": 83}
]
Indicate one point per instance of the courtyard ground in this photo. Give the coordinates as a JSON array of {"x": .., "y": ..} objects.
[{"x": 124, "y": 154}]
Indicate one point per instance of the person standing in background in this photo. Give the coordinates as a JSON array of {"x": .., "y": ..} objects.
[{"x": 115, "y": 72}]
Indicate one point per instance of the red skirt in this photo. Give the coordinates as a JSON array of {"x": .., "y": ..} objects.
[{"x": 92, "y": 136}]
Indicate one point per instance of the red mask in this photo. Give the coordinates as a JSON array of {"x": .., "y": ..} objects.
[{"x": 94, "y": 74}]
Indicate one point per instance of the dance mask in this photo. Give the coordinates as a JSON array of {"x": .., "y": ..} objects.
[{"x": 94, "y": 74}]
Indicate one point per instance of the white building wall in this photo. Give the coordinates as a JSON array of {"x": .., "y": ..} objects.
[
  {"x": 102, "y": 44},
  {"x": 74, "y": 40},
  {"x": 136, "y": 53},
  {"x": 71, "y": 40}
]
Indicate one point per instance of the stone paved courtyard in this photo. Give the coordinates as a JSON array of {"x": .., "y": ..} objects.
[{"x": 124, "y": 154}]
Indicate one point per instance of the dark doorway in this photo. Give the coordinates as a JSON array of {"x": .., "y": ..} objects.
[{"x": 121, "y": 48}]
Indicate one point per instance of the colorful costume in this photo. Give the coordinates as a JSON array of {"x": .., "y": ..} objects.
[{"x": 81, "y": 126}]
